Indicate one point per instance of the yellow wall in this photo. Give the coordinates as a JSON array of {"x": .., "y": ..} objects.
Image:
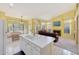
[
  {"x": 62, "y": 18},
  {"x": 2, "y": 15}
]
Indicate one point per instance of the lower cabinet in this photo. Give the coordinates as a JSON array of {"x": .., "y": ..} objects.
[{"x": 29, "y": 48}]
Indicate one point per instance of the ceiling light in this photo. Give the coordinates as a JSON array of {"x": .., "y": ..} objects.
[{"x": 11, "y": 4}]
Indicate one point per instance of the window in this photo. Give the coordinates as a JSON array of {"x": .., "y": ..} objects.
[
  {"x": 18, "y": 28},
  {"x": 43, "y": 26},
  {"x": 67, "y": 26},
  {"x": 49, "y": 26}
]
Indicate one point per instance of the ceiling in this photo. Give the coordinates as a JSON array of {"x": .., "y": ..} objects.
[{"x": 36, "y": 10}]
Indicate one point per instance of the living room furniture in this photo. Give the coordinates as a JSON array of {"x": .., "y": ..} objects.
[
  {"x": 13, "y": 35},
  {"x": 58, "y": 32}
]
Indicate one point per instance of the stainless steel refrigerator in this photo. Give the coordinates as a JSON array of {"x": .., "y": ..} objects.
[{"x": 2, "y": 37}]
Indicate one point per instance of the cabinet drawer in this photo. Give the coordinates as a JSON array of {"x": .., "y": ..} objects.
[
  {"x": 28, "y": 42},
  {"x": 35, "y": 52},
  {"x": 28, "y": 52}
]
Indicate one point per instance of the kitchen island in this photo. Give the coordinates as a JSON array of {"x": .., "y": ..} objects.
[{"x": 36, "y": 44}]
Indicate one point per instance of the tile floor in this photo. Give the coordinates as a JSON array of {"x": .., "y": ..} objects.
[
  {"x": 59, "y": 48},
  {"x": 68, "y": 45}
]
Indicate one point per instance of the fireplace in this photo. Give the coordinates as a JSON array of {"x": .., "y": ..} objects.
[{"x": 58, "y": 32}]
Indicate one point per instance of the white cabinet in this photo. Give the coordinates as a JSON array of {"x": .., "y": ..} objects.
[{"x": 30, "y": 48}]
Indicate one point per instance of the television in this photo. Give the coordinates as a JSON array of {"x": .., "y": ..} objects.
[{"x": 57, "y": 23}]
